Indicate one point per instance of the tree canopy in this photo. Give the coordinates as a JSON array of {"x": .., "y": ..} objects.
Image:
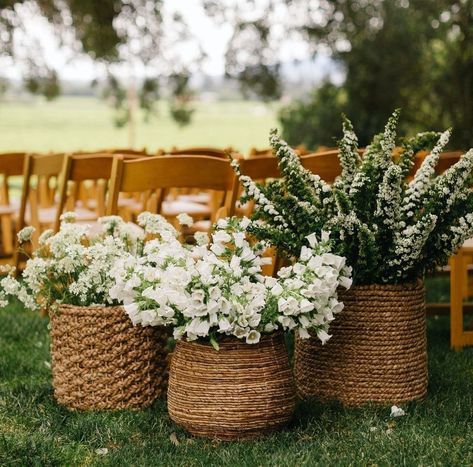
[
  {"x": 135, "y": 33},
  {"x": 414, "y": 54}
]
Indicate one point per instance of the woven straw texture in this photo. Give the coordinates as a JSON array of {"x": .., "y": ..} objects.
[
  {"x": 377, "y": 352},
  {"x": 241, "y": 391},
  {"x": 100, "y": 361}
]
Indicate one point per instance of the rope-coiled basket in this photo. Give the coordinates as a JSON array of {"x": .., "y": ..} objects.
[
  {"x": 241, "y": 391},
  {"x": 377, "y": 352},
  {"x": 100, "y": 361}
]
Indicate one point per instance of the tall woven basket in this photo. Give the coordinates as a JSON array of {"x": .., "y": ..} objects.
[
  {"x": 377, "y": 352},
  {"x": 241, "y": 391},
  {"x": 100, "y": 361}
]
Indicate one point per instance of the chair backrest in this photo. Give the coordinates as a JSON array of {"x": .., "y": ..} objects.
[
  {"x": 198, "y": 151},
  {"x": 128, "y": 151},
  {"x": 324, "y": 164},
  {"x": 11, "y": 165},
  {"x": 164, "y": 172},
  {"x": 80, "y": 168},
  {"x": 42, "y": 168},
  {"x": 260, "y": 167},
  {"x": 446, "y": 160},
  {"x": 254, "y": 152}
]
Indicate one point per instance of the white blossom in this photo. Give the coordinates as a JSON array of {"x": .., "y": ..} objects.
[
  {"x": 185, "y": 219},
  {"x": 24, "y": 235}
]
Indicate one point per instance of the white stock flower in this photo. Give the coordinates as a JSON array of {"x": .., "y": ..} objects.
[
  {"x": 323, "y": 336},
  {"x": 253, "y": 337},
  {"x": 216, "y": 288}
]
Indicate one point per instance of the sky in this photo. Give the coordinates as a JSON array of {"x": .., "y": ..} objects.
[{"x": 212, "y": 37}]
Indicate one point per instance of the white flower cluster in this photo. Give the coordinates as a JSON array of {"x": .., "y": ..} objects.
[
  {"x": 216, "y": 289},
  {"x": 408, "y": 245},
  {"x": 73, "y": 266},
  {"x": 389, "y": 197},
  {"x": 421, "y": 181},
  {"x": 252, "y": 190},
  {"x": 348, "y": 155},
  {"x": 25, "y": 234},
  {"x": 388, "y": 140},
  {"x": 292, "y": 169}
]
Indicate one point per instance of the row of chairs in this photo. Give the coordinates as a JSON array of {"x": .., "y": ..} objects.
[
  {"x": 127, "y": 182},
  {"x": 41, "y": 207},
  {"x": 81, "y": 181}
]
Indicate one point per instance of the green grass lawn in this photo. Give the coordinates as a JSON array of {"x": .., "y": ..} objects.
[
  {"x": 68, "y": 124},
  {"x": 34, "y": 430}
]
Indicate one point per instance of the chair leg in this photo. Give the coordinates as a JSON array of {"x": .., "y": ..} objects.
[
  {"x": 456, "y": 300},
  {"x": 7, "y": 234}
]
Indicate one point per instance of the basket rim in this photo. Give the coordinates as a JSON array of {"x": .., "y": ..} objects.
[
  {"x": 231, "y": 341},
  {"x": 413, "y": 285}
]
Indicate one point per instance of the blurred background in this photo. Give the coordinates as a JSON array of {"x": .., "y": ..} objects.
[{"x": 88, "y": 74}]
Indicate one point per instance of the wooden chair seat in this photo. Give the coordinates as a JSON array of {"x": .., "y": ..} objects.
[
  {"x": 201, "y": 226},
  {"x": 201, "y": 198},
  {"x": 173, "y": 208},
  {"x": 132, "y": 203},
  {"x": 47, "y": 216},
  {"x": 6, "y": 209}
]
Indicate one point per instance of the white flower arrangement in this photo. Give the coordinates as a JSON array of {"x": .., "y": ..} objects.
[
  {"x": 215, "y": 288},
  {"x": 72, "y": 266},
  {"x": 391, "y": 229}
]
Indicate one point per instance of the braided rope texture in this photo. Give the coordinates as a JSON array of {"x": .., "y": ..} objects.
[
  {"x": 241, "y": 391},
  {"x": 100, "y": 361},
  {"x": 377, "y": 353}
]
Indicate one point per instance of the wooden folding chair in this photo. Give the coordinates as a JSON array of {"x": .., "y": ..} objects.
[
  {"x": 160, "y": 173},
  {"x": 37, "y": 206},
  {"x": 198, "y": 151},
  {"x": 76, "y": 170},
  {"x": 11, "y": 165},
  {"x": 128, "y": 151},
  {"x": 324, "y": 164}
]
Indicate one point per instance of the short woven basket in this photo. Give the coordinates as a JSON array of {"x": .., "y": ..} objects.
[
  {"x": 241, "y": 391},
  {"x": 100, "y": 361},
  {"x": 377, "y": 352}
]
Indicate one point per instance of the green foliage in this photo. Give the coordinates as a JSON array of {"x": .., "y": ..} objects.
[
  {"x": 181, "y": 108},
  {"x": 390, "y": 230},
  {"x": 35, "y": 430},
  {"x": 312, "y": 121},
  {"x": 148, "y": 96}
]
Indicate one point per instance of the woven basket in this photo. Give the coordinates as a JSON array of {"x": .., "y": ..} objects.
[
  {"x": 377, "y": 352},
  {"x": 100, "y": 361},
  {"x": 241, "y": 391}
]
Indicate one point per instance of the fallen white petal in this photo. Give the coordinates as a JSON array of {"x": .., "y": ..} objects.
[{"x": 397, "y": 411}]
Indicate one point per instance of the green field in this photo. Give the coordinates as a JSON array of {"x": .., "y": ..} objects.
[
  {"x": 35, "y": 431},
  {"x": 68, "y": 124}
]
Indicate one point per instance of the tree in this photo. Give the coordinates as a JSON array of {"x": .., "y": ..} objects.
[
  {"x": 315, "y": 121},
  {"x": 135, "y": 33},
  {"x": 414, "y": 54}
]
